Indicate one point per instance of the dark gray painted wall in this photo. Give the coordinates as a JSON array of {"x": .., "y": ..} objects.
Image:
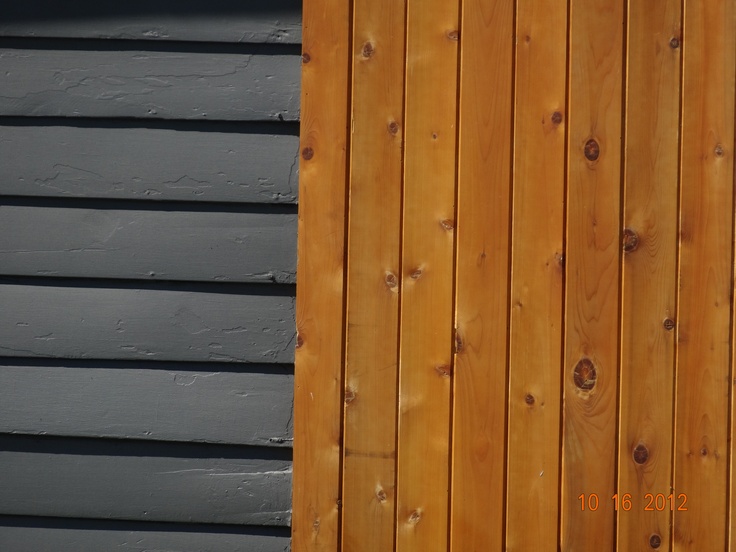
[
  {"x": 250, "y": 325},
  {"x": 22, "y": 534},
  {"x": 119, "y": 160},
  {"x": 240, "y": 86},
  {"x": 121, "y": 480},
  {"x": 247, "y": 246},
  {"x": 148, "y": 190},
  {"x": 181, "y": 402},
  {"x": 252, "y": 21}
]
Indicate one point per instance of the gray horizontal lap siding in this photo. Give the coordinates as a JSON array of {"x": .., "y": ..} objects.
[
  {"x": 241, "y": 246},
  {"x": 148, "y": 188},
  {"x": 247, "y": 491},
  {"x": 115, "y": 160},
  {"x": 104, "y": 399},
  {"x": 38, "y": 534},
  {"x": 157, "y": 85},
  {"x": 252, "y": 21}
]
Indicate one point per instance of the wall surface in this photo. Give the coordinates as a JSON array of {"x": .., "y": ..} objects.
[
  {"x": 148, "y": 189},
  {"x": 518, "y": 333}
]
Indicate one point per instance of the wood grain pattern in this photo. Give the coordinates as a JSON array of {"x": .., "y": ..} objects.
[
  {"x": 619, "y": 324},
  {"x": 111, "y": 323},
  {"x": 277, "y": 21},
  {"x": 649, "y": 270},
  {"x": 592, "y": 273},
  {"x": 427, "y": 275},
  {"x": 706, "y": 264},
  {"x": 118, "y": 162},
  {"x": 169, "y": 403},
  {"x": 482, "y": 272},
  {"x": 320, "y": 309},
  {"x": 369, "y": 466},
  {"x": 194, "y": 490},
  {"x": 149, "y": 85},
  {"x": 537, "y": 286},
  {"x": 164, "y": 245}
]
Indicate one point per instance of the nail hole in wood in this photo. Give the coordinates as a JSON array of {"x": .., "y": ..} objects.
[
  {"x": 585, "y": 375},
  {"x": 561, "y": 260},
  {"x": 443, "y": 370},
  {"x": 458, "y": 342}
]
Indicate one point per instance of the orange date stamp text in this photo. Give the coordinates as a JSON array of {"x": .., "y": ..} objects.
[{"x": 651, "y": 502}]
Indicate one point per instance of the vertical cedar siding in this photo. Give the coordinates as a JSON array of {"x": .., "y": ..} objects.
[{"x": 536, "y": 204}]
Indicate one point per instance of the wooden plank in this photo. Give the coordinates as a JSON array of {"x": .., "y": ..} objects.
[
  {"x": 148, "y": 163},
  {"x": 186, "y": 20},
  {"x": 149, "y": 85},
  {"x": 139, "y": 487},
  {"x": 592, "y": 266},
  {"x": 705, "y": 285},
  {"x": 427, "y": 275},
  {"x": 482, "y": 273},
  {"x": 533, "y": 485},
  {"x": 62, "y": 538},
  {"x": 649, "y": 271},
  {"x": 318, "y": 379},
  {"x": 139, "y": 324},
  {"x": 167, "y": 245},
  {"x": 369, "y": 465},
  {"x": 170, "y": 403}
]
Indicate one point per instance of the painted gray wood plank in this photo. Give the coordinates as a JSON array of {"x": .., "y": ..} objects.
[
  {"x": 141, "y": 163},
  {"x": 60, "y": 539},
  {"x": 193, "y": 490},
  {"x": 158, "y": 85},
  {"x": 107, "y": 323},
  {"x": 167, "y": 404},
  {"x": 186, "y": 20},
  {"x": 148, "y": 244}
]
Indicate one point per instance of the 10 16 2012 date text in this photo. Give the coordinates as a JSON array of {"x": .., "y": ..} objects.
[{"x": 626, "y": 502}]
